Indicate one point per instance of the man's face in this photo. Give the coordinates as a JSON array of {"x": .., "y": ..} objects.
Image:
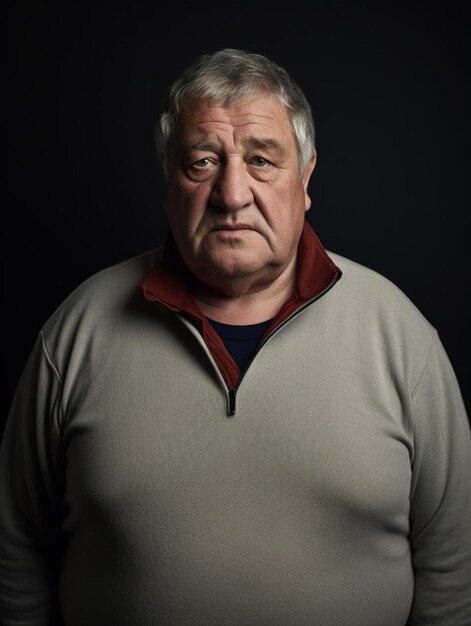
[{"x": 235, "y": 196}]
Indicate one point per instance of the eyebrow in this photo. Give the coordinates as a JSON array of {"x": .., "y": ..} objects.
[
  {"x": 201, "y": 145},
  {"x": 269, "y": 145}
]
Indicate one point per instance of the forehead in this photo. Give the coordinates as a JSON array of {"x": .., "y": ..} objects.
[{"x": 260, "y": 116}]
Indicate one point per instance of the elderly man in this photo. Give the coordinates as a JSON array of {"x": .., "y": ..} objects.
[{"x": 242, "y": 429}]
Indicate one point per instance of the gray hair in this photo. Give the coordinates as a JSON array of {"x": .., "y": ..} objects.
[{"x": 230, "y": 76}]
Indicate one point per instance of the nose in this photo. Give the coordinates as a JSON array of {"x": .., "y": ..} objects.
[{"x": 232, "y": 188}]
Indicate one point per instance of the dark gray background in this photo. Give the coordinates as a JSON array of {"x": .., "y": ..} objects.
[{"x": 390, "y": 91}]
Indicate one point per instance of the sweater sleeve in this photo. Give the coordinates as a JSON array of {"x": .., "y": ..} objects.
[
  {"x": 31, "y": 487},
  {"x": 440, "y": 497}
]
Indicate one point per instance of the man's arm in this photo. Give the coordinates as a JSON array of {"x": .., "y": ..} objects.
[
  {"x": 30, "y": 495},
  {"x": 440, "y": 497}
]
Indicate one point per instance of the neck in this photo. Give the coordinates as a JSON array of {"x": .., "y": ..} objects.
[{"x": 246, "y": 302}]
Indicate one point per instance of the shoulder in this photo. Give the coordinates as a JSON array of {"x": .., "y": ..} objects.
[
  {"x": 365, "y": 279},
  {"x": 123, "y": 275},
  {"x": 378, "y": 313},
  {"x": 367, "y": 288},
  {"x": 104, "y": 295}
]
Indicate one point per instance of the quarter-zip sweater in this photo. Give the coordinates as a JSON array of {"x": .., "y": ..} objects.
[
  {"x": 169, "y": 284},
  {"x": 337, "y": 494}
]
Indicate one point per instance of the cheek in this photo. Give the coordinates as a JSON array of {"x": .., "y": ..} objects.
[
  {"x": 186, "y": 206},
  {"x": 283, "y": 208}
]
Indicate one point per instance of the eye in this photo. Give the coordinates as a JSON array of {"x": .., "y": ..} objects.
[
  {"x": 202, "y": 169},
  {"x": 260, "y": 161},
  {"x": 201, "y": 163}
]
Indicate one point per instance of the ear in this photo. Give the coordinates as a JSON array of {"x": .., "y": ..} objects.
[{"x": 306, "y": 177}]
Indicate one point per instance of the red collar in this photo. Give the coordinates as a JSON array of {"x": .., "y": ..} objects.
[{"x": 168, "y": 283}]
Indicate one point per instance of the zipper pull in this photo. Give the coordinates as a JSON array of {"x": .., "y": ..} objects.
[{"x": 231, "y": 404}]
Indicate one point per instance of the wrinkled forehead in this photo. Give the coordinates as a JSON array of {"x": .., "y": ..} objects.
[{"x": 258, "y": 114}]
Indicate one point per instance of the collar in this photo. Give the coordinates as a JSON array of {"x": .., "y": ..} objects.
[{"x": 168, "y": 284}]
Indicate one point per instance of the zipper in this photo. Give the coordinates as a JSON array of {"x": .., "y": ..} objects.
[
  {"x": 231, "y": 404},
  {"x": 231, "y": 393}
]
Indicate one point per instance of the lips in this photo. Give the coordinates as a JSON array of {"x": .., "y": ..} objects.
[{"x": 233, "y": 227}]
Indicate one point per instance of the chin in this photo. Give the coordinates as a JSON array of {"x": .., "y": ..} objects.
[
  {"x": 235, "y": 264},
  {"x": 234, "y": 271}
]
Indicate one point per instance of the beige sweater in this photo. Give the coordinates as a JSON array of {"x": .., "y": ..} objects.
[{"x": 339, "y": 494}]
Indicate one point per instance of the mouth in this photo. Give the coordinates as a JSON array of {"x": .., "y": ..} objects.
[{"x": 232, "y": 227}]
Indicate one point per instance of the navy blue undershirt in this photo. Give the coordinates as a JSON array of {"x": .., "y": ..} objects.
[{"x": 241, "y": 341}]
